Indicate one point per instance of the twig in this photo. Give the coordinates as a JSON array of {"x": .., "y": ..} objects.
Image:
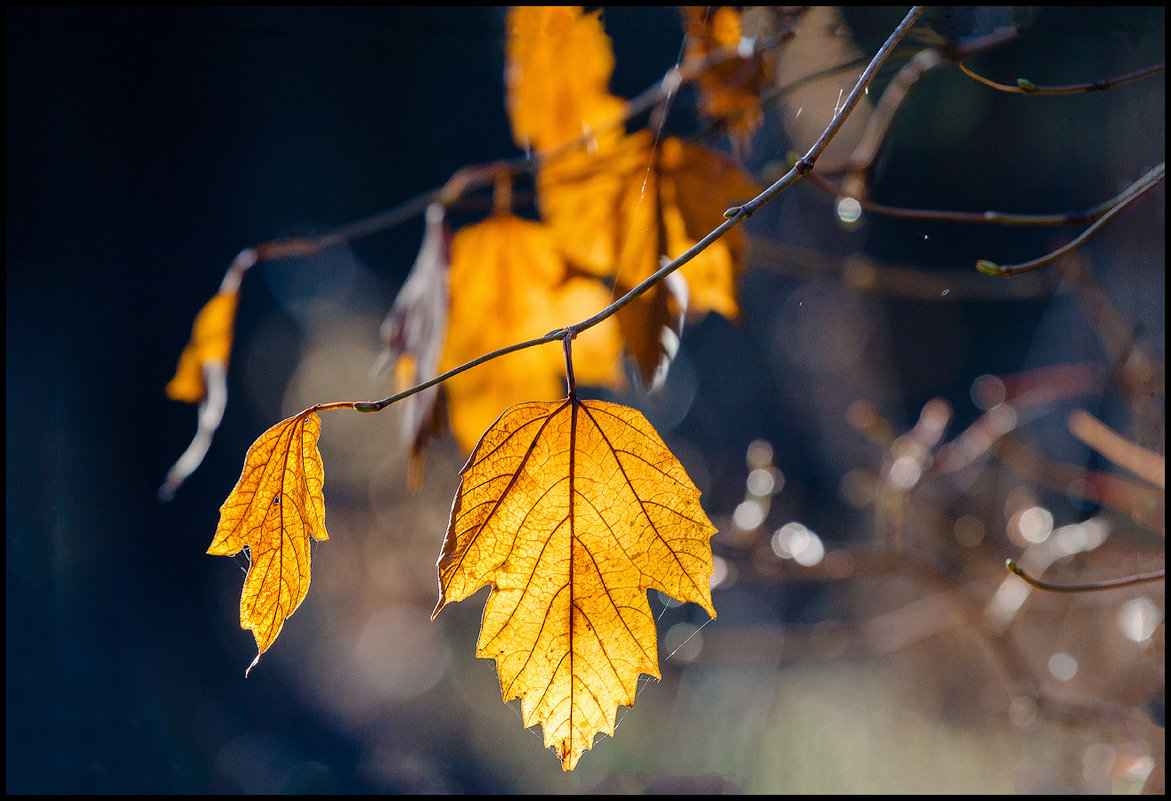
[
  {"x": 1005, "y": 218},
  {"x": 467, "y": 179},
  {"x": 879, "y": 122},
  {"x": 1144, "y": 463},
  {"x": 1104, "y": 584},
  {"x": 883, "y": 115},
  {"x": 1027, "y": 87},
  {"x": 1152, "y": 179}
]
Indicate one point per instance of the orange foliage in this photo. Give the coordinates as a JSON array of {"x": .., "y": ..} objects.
[
  {"x": 571, "y": 510},
  {"x": 275, "y": 509}
]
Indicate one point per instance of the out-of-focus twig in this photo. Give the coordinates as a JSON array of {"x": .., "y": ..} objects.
[
  {"x": 879, "y": 122},
  {"x": 1143, "y": 463},
  {"x": 877, "y": 125},
  {"x": 1103, "y": 584},
  {"x": 1139, "y": 372},
  {"x": 1140, "y": 188},
  {"x": 1024, "y": 394},
  {"x": 861, "y": 273},
  {"x": 1142, "y": 504}
]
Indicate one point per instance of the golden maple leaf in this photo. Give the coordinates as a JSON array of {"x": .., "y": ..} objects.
[
  {"x": 559, "y": 66},
  {"x": 618, "y": 215},
  {"x": 509, "y": 284},
  {"x": 211, "y": 341},
  {"x": 571, "y": 510},
  {"x": 275, "y": 509}
]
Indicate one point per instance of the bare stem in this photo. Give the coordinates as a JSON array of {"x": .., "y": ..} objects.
[
  {"x": 1129, "y": 196},
  {"x": 1105, "y": 584},
  {"x": 1026, "y": 87},
  {"x": 325, "y": 407},
  {"x": 1006, "y": 218}
]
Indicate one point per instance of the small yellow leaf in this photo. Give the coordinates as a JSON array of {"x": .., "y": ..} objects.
[
  {"x": 276, "y": 508},
  {"x": 571, "y": 511},
  {"x": 211, "y": 341}
]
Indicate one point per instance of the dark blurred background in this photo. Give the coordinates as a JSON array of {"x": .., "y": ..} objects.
[{"x": 146, "y": 147}]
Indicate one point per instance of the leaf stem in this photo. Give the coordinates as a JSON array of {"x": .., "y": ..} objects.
[
  {"x": 325, "y": 407},
  {"x": 572, "y": 385},
  {"x": 1104, "y": 584}
]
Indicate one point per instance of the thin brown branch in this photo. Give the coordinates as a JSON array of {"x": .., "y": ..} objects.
[
  {"x": 1026, "y": 87},
  {"x": 1151, "y": 180},
  {"x": 878, "y": 124},
  {"x": 864, "y": 274},
  {"x": 1005, "y": 218},
  {"x": 468, "y": 179}
]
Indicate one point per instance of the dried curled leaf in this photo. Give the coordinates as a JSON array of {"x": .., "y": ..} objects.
[
  {"x": 559, "y": 66},
  {"x": 571, "y": 510},
  {"x": 276, "y": 508},
  {"x": 509, "y": 284},
  {"x": 202, "y": 374},
  {"x": 413, "y": 334},
  {"x": 210, "y": 343}
]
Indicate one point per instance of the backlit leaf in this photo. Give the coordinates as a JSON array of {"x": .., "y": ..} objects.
[
  {"x": 509, "y": 284},
  {"x": 571, "y": 510},
  {"x": 275, "y": 510}
]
